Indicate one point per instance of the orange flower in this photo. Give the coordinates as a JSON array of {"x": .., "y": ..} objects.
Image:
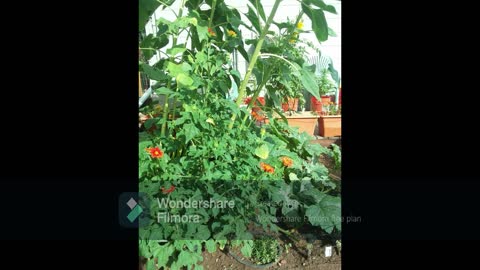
[
  {"x": 211, "y": 32},
  {"x": 155, "y": 152},
  {"x": 266, "y": 168},
  {"x": 287, "y": 162},
  {"x": 258, "y": 115}
]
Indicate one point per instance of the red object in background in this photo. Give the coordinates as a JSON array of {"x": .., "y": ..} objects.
[
  {"x": 340, "y": 96},
  {"x": 170, "y": 190},
  {"x": 316, "y": 105}
]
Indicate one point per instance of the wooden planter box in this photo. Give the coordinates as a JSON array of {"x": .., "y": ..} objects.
[
  {"x": 305, "y": 121},
  {"x": 330, "y": 125}
]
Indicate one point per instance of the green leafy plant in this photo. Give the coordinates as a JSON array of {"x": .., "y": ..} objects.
[
  {"x": 197, "y": 143},
  {"x": 337, "y": 156},
  {"x": 265, "y": 250},
  {"x": 325, "y": 85}
]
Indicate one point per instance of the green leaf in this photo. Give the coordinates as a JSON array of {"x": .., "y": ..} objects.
[
  {"x": 184, "y": 80},
  {"x": 247, "y": 248},
  {"x": 146, "y": 9},
  {"x": 162, "y": 253},
  {"x": 151, "y": 265},
  {"x": 185, "y": 258},
  {"x": 319, "y": 22},
  {"x": 262, "y": 151},
  {"x": 190, "y": 132},
  {"x": 321, "y": 4},
  {"x": 151, "y": 43},
  {"x": 154, "y": 73},
  {"x": 331, "y": 32},
  {"x": 176, "y": 69},
  {"x": 211, "y": 245},
  {"x": 326, "y": 213},
  {"x": 293, "y": 177},
  {"x": 202, "y": 232},
  {"x": 176, "y": 50},
  {"x": 198, "y": 267},
  {"x": 258, "y": 6},
  {"x": 308, "y": 81},
  {"x": 164, "y": 91},
  {"x": 252, "y": 16}
]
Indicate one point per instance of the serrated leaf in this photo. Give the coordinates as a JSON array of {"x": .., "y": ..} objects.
[
  {"x": 326, "y": 213},
  {"x": 162, "y": 253},
  {"x": 190, "y": 132},
  {"x": 262, "y": 151}
]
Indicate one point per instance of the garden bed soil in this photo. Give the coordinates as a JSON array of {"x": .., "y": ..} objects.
[
  {"x": 327, "y": 160},
  {"x": 296, "y": 258}
]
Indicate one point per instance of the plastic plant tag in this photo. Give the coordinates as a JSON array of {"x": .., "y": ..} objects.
[{"x": 328, "y": 251}]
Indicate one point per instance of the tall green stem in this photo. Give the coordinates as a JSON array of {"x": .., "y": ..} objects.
[
  {"x": 214, "y": 4},
  {"x": 169, "y": 84},
  {"x": 256, "y": 53}
]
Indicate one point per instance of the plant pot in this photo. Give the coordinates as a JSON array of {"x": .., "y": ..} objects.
[
  {"x": 251, "y": 264},
  {"x": 305, "y": 121},
  {"x": 292, "y": 105},
  {"x": 326, "y": 100},
  {"x": 330, "y": 125},
  {"x": 316, "y": 105}
]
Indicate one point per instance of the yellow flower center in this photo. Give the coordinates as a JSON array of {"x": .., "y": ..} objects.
[{"x": 300, "y": 25}]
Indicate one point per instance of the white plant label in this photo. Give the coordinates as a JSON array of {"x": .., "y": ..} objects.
[{"x": 328, "y": 251}]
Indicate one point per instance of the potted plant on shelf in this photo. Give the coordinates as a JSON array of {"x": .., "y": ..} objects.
[
  {"x": 326, "y": 87},
  {"x": 330, "y": 121}
]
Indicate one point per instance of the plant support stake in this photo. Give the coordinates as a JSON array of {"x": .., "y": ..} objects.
[{"x": 256, "y": 53}]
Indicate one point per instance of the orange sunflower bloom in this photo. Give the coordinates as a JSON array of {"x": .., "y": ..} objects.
[
  {"x": 266, "y": 168},
  {"x": 287, "y": 162},
  {"x": 155, "y": 152}
]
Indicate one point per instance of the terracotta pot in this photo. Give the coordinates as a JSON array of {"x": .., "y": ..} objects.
[
  {"x": 326, "y": 100},
  {"x": 330, "y": 125},
  {"x": 292, "y": 105},
  {"x": 316, "y": 105},
  {"x": 305, "y": 121}
]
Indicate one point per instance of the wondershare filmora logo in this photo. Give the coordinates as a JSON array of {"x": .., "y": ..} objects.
[{"x": 133, "y": 209}]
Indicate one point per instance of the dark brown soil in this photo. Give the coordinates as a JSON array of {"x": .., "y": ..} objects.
[{"x": 295, "y": 258}]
